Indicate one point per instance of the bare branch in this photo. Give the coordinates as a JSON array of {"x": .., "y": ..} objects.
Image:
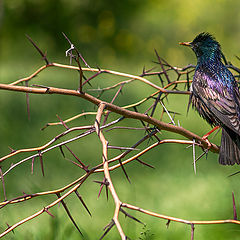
[
  {"x": 174, "y": 219},
  {"x": 142, "y": 111}
]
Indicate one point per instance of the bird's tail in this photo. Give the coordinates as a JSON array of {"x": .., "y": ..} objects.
[{"x": 230, "y": 148}]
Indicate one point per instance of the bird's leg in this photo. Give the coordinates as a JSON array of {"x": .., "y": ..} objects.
[{"x": 205, "y": 137}]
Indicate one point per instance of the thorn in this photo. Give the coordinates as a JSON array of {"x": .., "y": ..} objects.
[
  {"x": 32, "y": 165},
  {"x": 234, "y": 207},
  {"x": 103, "y": 183},
  {"x": 75, "y": 163},
  {"x": 11, "y": 149},
  {"x": 47, "y": 211},
  {"x": 107, "y": 229},
  {"x": 163, "y": 69},
  {"x": 80, "y": 74},
  {"x": 146, "y": 164},
  {"x": 161, "y": 80},
  {"x": 38, "y": 49},
  {"x": 130, "y": 216},
  {"x": 205, "y": 151},
  {"x": 188, "y": 83},
  {"x": 194, "y": 157},
  {"x": 233, "y": 174},
  {"x": 100, "y": 190},
  {"x": 44, "y": 127},
  {"x": 106, "y": 188},
  {"x": 83, "y": 166},
  {"x": 41, "y": 162},
  {"x": 85, "y": 206},
  {"x": 61, "y": 149},
  {"x": 63, "y": 123},
  {"x": 168, "y": 223},
  {"x": 155, "y": 103},
  {"x": 8, "y": 226},
  {"x": 69, "y": 214},
  {"x": 66, "y": 38},
  {"x": 124, "y": 171},
  {"x": 192, "y": 231},
  {"x": 42, "y": 86}
]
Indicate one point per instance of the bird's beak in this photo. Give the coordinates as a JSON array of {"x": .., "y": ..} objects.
[{"x": 186, "y": 44}]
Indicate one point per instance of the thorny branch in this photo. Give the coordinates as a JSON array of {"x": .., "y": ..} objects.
[
  {"x": 151, "y": 125},
  {"x": 106, "y": 170}
]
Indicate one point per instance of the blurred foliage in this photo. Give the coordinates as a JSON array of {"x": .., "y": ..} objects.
[
  {"x": 108, "y": 30},
  {"x": 118, "y": 35}
]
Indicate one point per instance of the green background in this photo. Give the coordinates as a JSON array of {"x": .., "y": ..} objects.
[{"x": 121, "y": 36}]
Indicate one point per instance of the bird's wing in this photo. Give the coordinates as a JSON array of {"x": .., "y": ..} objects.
[{"x": 221, "y": 103}]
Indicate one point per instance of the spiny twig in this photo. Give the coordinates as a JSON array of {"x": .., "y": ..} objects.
[
  {"x": 107, "y": 229},
  {"x": 44, "y": 56},
  {"x": 69, "y": 214},
  {"x": 104, "y": 108}
]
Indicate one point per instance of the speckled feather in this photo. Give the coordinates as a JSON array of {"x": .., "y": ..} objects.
[{"x": 215, "y": 96}]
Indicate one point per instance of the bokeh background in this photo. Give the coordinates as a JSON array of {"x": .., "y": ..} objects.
[{"x": 122, "y": 36}]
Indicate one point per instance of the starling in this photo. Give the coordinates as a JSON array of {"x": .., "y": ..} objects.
[{"x": 215, "y": 95}]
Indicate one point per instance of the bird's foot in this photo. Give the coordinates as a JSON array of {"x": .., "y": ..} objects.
[{"x": 205, "y": 137}]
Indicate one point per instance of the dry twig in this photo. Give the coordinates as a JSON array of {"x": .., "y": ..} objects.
[{"x": 151, "y": 124}]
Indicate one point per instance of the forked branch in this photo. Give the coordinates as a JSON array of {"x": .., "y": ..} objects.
[{"x": 150, "y": 124}]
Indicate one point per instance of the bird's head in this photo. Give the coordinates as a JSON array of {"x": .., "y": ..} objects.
[{"x": 205, "y": 46}]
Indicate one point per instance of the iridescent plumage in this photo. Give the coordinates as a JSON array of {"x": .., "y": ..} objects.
[{"x": 215, "y": 95}]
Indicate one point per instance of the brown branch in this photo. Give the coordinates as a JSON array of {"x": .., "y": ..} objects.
[
  {"x": 106, "y": 108},
  {"x": 96, "y": 170},
  {"x": 174, "y": 219},
  {"x": 31, "y": 76},
  {"x": 45, "y": 145},
  {"x": 47, "y": 207},
  {"x": 114, "y": 108},
  {"x": 143, "y": 152},
  {"x": 90, "y": 131},
  {"x": 60, "y": 190},
  {"x": 102, "y": 71},
  {"x": 111, "y": 87},
  {"x": 106, "y": 170},
  {"x": 69, "y": 119}
]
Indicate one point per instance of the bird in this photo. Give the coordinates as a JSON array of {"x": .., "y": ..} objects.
[{"x": 215, "y": 95}]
